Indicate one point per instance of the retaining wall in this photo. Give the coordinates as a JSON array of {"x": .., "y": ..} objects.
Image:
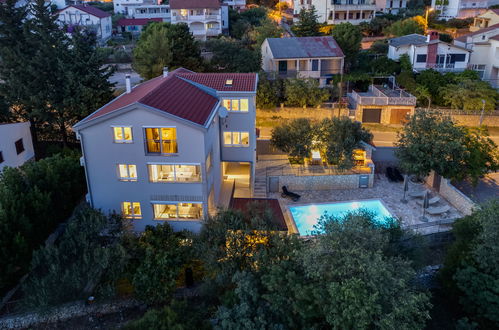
[
  {"x": 474, "y": 120},
  {"x": 322, "y": 182},
  {"x": 459, "y": 200},
  {"x": 294, "y": 113}
]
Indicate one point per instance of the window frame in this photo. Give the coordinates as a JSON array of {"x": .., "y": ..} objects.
[
  {"x": 421, "y": 55},
  {"x": 176, "y": 203},
  {"x": 175, "y": 172},
  {"x": 132, "y": 214},
  {"x": 19, "y": 144},
  {"x": 232, "y": 144},
  {"x": 239, "y": 102},
  {"x": 144, "y": 128},
  {"x": 123, "y": 141},
  {"x": 127, "y": 178}
]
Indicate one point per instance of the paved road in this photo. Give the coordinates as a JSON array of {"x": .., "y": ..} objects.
[{"x": 381, "y": 139}]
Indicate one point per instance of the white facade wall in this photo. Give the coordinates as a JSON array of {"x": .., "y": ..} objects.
[
  {"x": 74, "y": 16},
  {"x": 339, "y": 11},
  {"x": 202, "y": 22},
  {"x": 391, "y": 6},
  {"x": 126, "y": 7},
  {"x": 151, "y": 11},
  {"x": 9, "y": 134}
]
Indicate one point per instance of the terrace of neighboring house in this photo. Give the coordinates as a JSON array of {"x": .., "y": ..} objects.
[{"x": 383, "y": 95}]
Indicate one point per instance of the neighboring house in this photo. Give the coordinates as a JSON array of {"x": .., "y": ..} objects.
[
  {"x": 448, "y": 9},
  {"x": 484, "y": 47},
  {"x": 235, "y": 4},
  {"x": 205, "y": 18},
  {"x": 127, "y": 7},
  {"x": 89, "y": 17},
  {"x": 391, "y": 6},
  {"x": 134, "y": 25},
  {"x": 151, "y": 11},
  {"x": 385, "y": 104},
  {"x": 306, "y": 57},
  {"x": 16, "y": 146},
  {"x": 489, "y": 18},
  {"x": 338, "y": 11},
  {"x": 428, "y": 52},
  {"x": 173, "y": 148}
]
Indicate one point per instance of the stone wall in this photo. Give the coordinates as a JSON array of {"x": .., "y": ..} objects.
[
  {"x": 322, "y": 182},
  {"x": 459, "y": 200},
  {"x": 294, "y": 113},
  {"x": 474, "y": 120}
]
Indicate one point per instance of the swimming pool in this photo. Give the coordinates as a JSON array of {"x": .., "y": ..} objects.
[{"x": 307, "y": 216}]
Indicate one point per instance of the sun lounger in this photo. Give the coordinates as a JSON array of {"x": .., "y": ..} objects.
[
  {"x": 288, "y": 194},
  {"x": 431, "y": 201},
  {"x": 417, "y": 194},
  {"x": 397, "y": 174},
  {"x": 390, "y": 175},
  {"x": 438, "y": 210}
]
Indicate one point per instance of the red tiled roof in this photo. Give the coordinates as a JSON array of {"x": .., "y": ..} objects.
[
  {"x": 188, "y": 4},
  {"x": 262, "y": 204},
  {"x": 492, "y": 27},
  {"x": 137, "y": 21},
  {"x": 241, "y": 82},
  {"x": 90, "y": 10},
  {"x": 177, "y": 95}
]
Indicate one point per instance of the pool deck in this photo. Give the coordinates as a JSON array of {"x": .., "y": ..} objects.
[{"x": 389, "y": 193}]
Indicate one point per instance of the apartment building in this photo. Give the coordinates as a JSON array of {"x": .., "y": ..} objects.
[
  {"x": 391, "y": 6},
  {"x": 338, "y": 11},
  {"x": 206, "y": 18},
  {"x": 173, "y": 148},
  {"x": 489, "y": 18},
  {"x": 16, "y": 146},
  {"x": 89, "y": 17},
  {"x": 484, "y": 57},
  {"x": 305, "y": 57},
  {"x": 428, "y": 52},
  {"x": 448, "y": 9}
]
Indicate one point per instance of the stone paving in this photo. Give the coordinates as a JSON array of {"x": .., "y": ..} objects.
[{"x": 390, "y": 193}]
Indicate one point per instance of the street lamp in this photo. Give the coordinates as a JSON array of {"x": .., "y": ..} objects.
[{"x": 428, "y": 10}]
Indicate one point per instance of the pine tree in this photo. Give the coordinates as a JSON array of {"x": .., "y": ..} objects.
[{"x": 308, "y": 25}]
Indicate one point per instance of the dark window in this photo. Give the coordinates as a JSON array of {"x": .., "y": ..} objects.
[
  {"x": 421, "y": 58},
  {"x": 457, "y": 58},
  {"x": 1, "y": 157},
  {"x": 315, "y": 65},
  {"x": 358, "y": 15},
  {"x": 336, "y": 16},
  {"x": 19, "y": 146}
]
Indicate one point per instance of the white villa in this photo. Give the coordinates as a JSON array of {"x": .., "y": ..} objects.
[
  {"x": 338, "y": 11},
  {"x": 428, "y": 52},
  {"x": 484, "y": 47},
  {"x": 88, "y": 17},
  {"x": 173, "y": 148},
  {"x": 448, "y": 9},
  {"x": 16, "y": 146},
  {"x": 390, "y": 6},
  {"x": 306, "y": 57}
]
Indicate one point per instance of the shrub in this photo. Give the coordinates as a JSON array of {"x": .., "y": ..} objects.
[{"x": 304, "y": 92}]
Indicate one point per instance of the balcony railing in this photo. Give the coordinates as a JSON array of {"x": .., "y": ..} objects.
[
  {"x": 306, "y": 73},
  {"x": 382, "y": 99}
]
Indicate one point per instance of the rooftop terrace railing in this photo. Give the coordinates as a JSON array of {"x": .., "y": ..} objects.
[{"x": 378, "y": 97}]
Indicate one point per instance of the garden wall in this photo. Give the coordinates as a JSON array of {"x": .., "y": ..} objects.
[
  {"x": 322, "y": 182},
  {"x": 294, "y": 113},
  {"x": 474, "y": 120},
  {"x": 459, "y": 200}
]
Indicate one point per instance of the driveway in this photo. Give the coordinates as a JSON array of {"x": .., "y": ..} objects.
[{"x": 486, "y": 189}]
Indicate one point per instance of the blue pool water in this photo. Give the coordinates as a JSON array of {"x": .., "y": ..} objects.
[{"x": 307, "y": 216}]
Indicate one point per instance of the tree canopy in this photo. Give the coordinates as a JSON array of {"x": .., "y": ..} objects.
[
  {"x": 407, "y": 26},
  {"x": 429, "y": 141},
  {"x": 165, "y": 44},
  {"x": 468, "y": 95},
  {"x": 348, "y": 37},
  {"x": 294, "y": 138},
  {"x": 304, "y": 92},
  {"x": 308, "y": 24},
  {"x": 229, "y": 55}
]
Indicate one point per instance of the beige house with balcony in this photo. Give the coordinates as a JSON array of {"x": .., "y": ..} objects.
[
  {"x": 384, "y": 104},
  {"x": 485, "y": 20},
  {"x": 307, "y": 57},
  {"x": 338, "y": 11},
  {"x": 205, "y": 18}
]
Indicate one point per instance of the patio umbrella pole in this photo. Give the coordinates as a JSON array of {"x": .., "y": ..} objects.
[
  {"x": 406, "y": 187},
  {"x": 426, "y": 203}
]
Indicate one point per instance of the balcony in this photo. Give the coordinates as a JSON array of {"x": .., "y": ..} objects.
[
  {"x": 447, "y": 67},
  {"x": 378, "y": 95}
]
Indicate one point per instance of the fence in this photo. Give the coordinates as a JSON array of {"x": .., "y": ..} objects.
[{"x": 314, "y": 170}]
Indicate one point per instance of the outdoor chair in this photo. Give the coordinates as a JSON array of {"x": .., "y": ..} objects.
[
  {"x": 417, "y": 194},
  {"x": 288, "y": 194},
  {"x": 438, "y": 210}
]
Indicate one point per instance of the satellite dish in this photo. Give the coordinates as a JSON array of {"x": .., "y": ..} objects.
[{"x": 222, "y": 112}]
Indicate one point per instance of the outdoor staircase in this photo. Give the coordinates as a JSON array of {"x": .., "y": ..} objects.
[{"x": 260, "y": 189}]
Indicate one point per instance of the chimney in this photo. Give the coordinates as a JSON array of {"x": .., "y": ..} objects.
[
  {"x": 165, "y": 71},
  {"x": 128, "y": 84},
  {"x": 432, "y": 49},
  {"x": 432, "y": 35}
]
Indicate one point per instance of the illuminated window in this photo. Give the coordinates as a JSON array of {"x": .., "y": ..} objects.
[
  {"x": 161, "y": 140},
  {"x": 122, "y": 134},
  {"x": 127, "y": 172},
  {"x": 237, "y": 105},
  {"x": 228, "y": 82},
  {"x": 131, "y": 210},
  {"x": 236, "y": 139},
  {"x": 177, "y": 211},
  {"x": 174, "y": 173}
]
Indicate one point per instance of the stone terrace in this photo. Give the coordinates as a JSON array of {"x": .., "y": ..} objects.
[{"x": 390, "y": 193}]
